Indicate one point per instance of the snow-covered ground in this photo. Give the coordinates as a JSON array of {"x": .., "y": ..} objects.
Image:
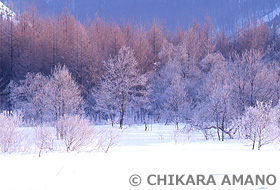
[
  {"x": 270, "y": 16},
  {"x": 143, "y": 153}
]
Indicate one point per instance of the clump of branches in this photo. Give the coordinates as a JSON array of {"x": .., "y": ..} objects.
[
  {"x": 76, "y": 133},
  {"x": 11, "y": 137},
  {"x": 108, "y": 138},
  {"x": 43, "y": 138}
]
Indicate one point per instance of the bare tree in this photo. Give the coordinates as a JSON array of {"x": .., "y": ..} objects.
[
  {"x": 223, "y": 44},
  {"x": 141, "y": 47},
  {"x": 116, "y": 40},
  {"x": 156, "y": 38},
  {"x": 200, "y": 39},
  {"x": 253, "y": 36}
]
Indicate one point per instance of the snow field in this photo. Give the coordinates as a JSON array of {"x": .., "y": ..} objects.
[{"x": 143, "y": 153}]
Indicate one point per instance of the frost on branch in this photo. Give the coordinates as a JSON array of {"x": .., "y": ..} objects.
[
  {"x": 64, "y": 93},
  {"x": 30, "y": 96},
  {"x": 43, "y": 138},
  {"x": 108, "y": 138},
  {"x": 121, "y": 85},
  {"x": 260, "y": 124},
  {"x": 76, "y": 133},
  {"x": 11, "y": 137}
]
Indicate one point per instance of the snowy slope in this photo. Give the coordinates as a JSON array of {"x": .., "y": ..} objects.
[
  {"x": 173, "y": 13},
  {"x": 6, "y": 12},
  {"x": 270, "y": 16}
]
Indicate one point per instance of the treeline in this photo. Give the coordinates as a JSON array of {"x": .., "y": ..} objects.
[{"x": 131, "y": 74}]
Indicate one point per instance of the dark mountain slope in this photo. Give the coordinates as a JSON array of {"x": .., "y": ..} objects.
[{"x": 224, "y": 13}]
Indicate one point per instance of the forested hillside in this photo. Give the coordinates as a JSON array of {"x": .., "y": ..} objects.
[
  {"x": 173, "y": 13},
  {"x": 55, "y": 66}
]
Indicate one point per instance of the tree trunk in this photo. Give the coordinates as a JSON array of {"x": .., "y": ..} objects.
[
  {"x": 112, "y": 120},
  {"x": 122, "y": 111},
  {"x": 177, "y": 120},
  {"x": 218, "y": 132},
  {"x": 121, "y": 120},
  {"x": 260, "y": 144},
  {"x": 11, "y": 61},
  {"x": 223, "y": 133}
]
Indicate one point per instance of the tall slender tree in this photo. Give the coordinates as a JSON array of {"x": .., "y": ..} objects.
[{"x": 119, "y": 84}]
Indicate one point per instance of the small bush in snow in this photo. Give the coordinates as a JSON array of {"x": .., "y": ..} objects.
[
  {"x": 108, "y": 138},
  {"x": 11, "y": 137},
  {"x": 183, "y": 136},
  {"x": 76, "y": 133},
  {"x": 43, "y": 138}
]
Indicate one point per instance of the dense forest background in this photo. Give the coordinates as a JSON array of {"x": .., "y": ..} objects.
[{"x": 54, "y": 66}]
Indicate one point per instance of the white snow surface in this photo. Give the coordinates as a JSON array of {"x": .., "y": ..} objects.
[
  {"x": 270, "y": 16},
  {"x": 6, "y": 12},
  {"x": 143, "y": 153}
]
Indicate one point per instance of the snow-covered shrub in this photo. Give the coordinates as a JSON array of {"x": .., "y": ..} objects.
[
  {"x": 176, "y": 136},
  {"x": 76, "y": 133},
  {"x": 260, "y": 124},
  {"x": 108, "y": 138},
  {"x": 160, "y": 134},
  {"x": 183, "y": 136},
  {"x": 43, "y": 138},
  {"x": 11, "y": 137}
]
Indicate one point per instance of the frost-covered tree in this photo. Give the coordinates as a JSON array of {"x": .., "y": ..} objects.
[
  {"x": 42, "y": 97},
  {"x": 30, "y": 96},
  {"x": 63, "y": 93},
  {"x": 176, "y": 99},
  {"x": 11, "y": 138},
  {"x": 120, "y": 85},
  {"x": 216, "y": 108},
  {"x": 172, "y": 83},
  {"x": 260, "y": 124},
  {"x": 252, "y": 80}
]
